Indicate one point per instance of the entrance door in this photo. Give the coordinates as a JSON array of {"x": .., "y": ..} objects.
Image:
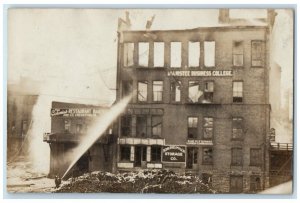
[
  {"x": 140, "y": 155},
  {"x": 192, "y": 154}
]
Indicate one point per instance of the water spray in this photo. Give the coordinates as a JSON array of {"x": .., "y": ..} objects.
[{"x": 97, "y": 130}]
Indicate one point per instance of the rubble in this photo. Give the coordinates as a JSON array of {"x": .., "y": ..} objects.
[{"x": 145, "y": 181}]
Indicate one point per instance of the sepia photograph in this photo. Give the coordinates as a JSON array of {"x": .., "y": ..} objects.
[{"x": 160, "y": 101}]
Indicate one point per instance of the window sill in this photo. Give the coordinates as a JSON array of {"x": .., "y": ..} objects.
[{"x": 207, "y": 164}]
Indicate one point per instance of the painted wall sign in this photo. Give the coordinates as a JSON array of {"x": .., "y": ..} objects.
[
  {"x": 76, "y": 112},
  {"x": 199, "y": 73},
  {"x": 173, "y": 154},
  {"x": 199, "y": 142}
]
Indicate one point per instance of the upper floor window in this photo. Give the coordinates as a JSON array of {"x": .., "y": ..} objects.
[
  {"x": 142, "y": 91},
  {"x": 194, "y": 91},
  {"x": 141, "y": 126},
  {"x": 126, "y": 88},
  {"x": 236, "y": 156},
  {"x": 257, "y": 53},
  {"x": 175, "y": 54},
  {"x": 128, "y": 54},
  {"x": 176, "y": 91},
  {"x": 237, "y": 128},
  {"x": 208, "y": 92},
  {"x": 157, "y": 90},
  {"x": 126, "y": 121},
  {"x": 156, "y": 124},
  {"x": 209, "y": 53},
  {"x": 192, "y": 127},
  {"x": 255, "y": 157},
  {"x": 143, "y": 54},
  {"x": 194, "y": 54},
  {"x": 208, "y": 128},
  {"x": 24, "y": 127},
  {"x": 159, "y": 54},
  {"x": 238, "y": 53},
  {"x": 79, "y": 128},
  {"x": 237, "y": 91}
]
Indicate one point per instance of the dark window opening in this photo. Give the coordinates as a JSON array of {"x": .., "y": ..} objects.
[
  {"x": 192, "y": 157},
  {"x": 141, "y": 126},
  {"x": 126, "y": 125},
  {"x": 255, "y": 184},
  {"x": 140, "y": 155},
  {"x": 208, "y": 128},
  {"x": 207, "y": 178},
  {"x": 127, "y": 88},
  {"x": 236, "y": 156},
  {"x": 156, "y": 126},
  {"x": 255, "y": 157},
  {"x": 124, "y": 153},
  {"x": 237, "y": 92},
  {"x": 237, "y": 128},
  {"x": 208, "y": 92},
  {"x": 192, "y": 127},
  {"x": 207, "y": 154},
  {"x": 155, "y": 153}
]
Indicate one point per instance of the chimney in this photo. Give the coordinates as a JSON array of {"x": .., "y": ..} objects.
[{"x": 224, "y": 15}]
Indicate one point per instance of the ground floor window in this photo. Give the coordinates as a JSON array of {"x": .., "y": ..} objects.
[
  {"x": 207, "y": 155},
  {"x": 156, "y": 153},
  {"x": 207, "y": 178},
  {"x": 124, "y": 153},
  {"x": 236, "y": 184}
]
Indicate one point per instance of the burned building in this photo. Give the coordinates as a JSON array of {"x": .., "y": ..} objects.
[
  {"x": 200, "y": 104},
  {"x": 70, "y": 123}
]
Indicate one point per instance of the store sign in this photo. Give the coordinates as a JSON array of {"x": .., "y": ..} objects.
[
  {"x": 173, "y": 154},
  {"x": 199, "y": 73},
  {"x": 76, "y": 112},
  {"x": 199, "y": 142}
]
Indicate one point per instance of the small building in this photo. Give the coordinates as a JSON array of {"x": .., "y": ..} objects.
[{"x": 69, "y": 125}]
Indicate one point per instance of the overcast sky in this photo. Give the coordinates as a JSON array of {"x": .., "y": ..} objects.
[{"x": 73, "y": 51}]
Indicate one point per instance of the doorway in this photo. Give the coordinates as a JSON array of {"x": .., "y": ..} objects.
[{"x": 140, "y": 155}]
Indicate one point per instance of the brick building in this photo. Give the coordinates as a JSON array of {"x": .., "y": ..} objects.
[
  {"x": 200, "y": 104},
  {"x": 69, "y": 124}
]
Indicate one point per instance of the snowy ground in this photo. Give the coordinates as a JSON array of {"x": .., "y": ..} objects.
[{"x": 21, "y": 178}]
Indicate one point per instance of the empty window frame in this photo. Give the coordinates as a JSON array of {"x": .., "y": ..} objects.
[
  {"x": 128, "y": 54},
  {"x": 255, "y": 157},
  {"x": 159, "y": 54},
  {"x": 176, "y": 91},
  {"x": 156, "y": 125},
  {"x": 155, "y": 153},
  {"x": 207, "y": 155},
  {"x": 175, "y": 55},
  {"x": 157, "y": 88},
  {"x": 236, "y": 184},
  {"x": 208, "y": 92},
  {"x": 208, "y": 128},
  {"x": 257, "y": 53},
  {"x": 236, "y": 156},
  {"x": 24, "y": 127},
  {"x": 141, "y": 125},
  {"x": 194, "y": 92},
  {"x": 67, "y": 125},
  {"x": 237, "y": 90},
  {"x": 209, "y": 53},
  {"x": 237, "y": 128},
  {"x": 126, "y": 121},
  {"x": 238, "y": 53},
  {"x": 143, "y": 54},
  {"x": 142, "y": 91},
  {"x": 125, "y": 153},
  {"x": 194, "y": 54},
  {"x": 127, "y": 88},
  {"x": 192, "y": 127}
]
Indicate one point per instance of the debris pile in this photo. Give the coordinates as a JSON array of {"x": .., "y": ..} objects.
[{"x": 146, "y": 181}]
